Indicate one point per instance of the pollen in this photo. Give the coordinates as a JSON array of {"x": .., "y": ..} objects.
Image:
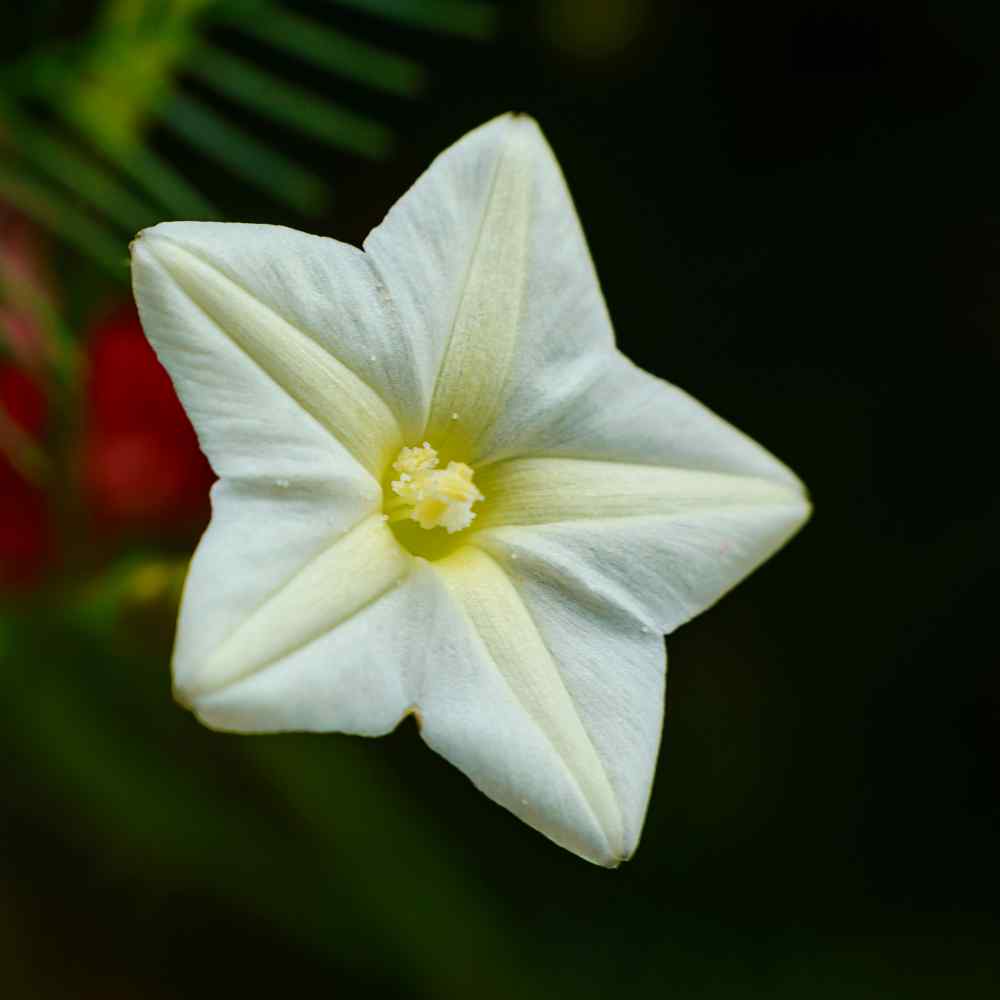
[{"x": 431, "y": 496}]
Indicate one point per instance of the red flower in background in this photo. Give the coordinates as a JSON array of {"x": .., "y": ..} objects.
[
  {"x": 133, "y": 451},
  {"x": 25, "y": 523},
  {"x": 23, "y": 400},
  {"x": 142, "y": 464}
]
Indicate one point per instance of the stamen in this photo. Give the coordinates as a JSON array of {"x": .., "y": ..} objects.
[{"x": 433, "y": 497}]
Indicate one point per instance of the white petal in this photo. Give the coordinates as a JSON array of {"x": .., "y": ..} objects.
[
  {"x": 666, "y": 543},
  {"x": 499, "y": 710},
  {"x": 607, "y": 408},
  {"x": 486, "y": 253},
  {"x": 358, "y": 677},
  {"x": 612, "y": 665},
  {"x": 528, "y": 491},
  {"x": 248, "y": 423},
  {"x": 296, "y": 544},
  {"x": 503, "y": 721},
  {"x": 353, "y": 569},
  {"x": 606, "y": 559},
  {"x": 261, "y": 536},
  {"x": 307, "y": 312}
]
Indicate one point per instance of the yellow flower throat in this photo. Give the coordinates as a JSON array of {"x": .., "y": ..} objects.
[{"x": 433, "y": 497}]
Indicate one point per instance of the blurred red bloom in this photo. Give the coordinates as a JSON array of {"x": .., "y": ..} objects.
[
  {"x": 23, "y": 400},
  {"x": 142, "y": 464},
  {"x": 25, "y": 523}
]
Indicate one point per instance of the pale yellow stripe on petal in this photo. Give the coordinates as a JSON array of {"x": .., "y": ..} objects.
[
  {"x": 549, "y": 490},
  {"x": 326, "y": 389},
  {"x": 471, "y": 382},
  {"x": 491, "y": 603},
  {"x": 355, "y": 570}
]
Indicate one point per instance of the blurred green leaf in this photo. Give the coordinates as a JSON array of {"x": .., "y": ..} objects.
[
  {"x": 35, "y": 200},
  {"x": 115, "y": 83},
  {"x": 471, "y": 19},
  {"x": 70, "y": 730},
  {"x": 265, "y": 94},
  {"x": 311, "y": 842},
  {"x": 245, "y": 156},
  {"x": 150, "y": 170},
  {"x": 325, "y": 47},
  {"x": 77, "y": 172},
  {"x": 135, "y": 577},
  {"x": 49, "y": 75},
  {"x": 317, "y": 781}
]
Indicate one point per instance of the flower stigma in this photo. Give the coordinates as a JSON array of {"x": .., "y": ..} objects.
[{"x": 431, "y": 496}]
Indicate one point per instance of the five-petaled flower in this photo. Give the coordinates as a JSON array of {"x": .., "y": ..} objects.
[{"x": 444, "y": 492}]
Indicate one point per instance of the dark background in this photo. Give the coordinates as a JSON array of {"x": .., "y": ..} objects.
[{"x": 793, "y": 211}]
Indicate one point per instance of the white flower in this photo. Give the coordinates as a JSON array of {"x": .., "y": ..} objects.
[{"x": 443, "y": 491}]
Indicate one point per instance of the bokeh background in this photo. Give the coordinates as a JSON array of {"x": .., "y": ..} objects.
[{"x": 793, "y": 209}]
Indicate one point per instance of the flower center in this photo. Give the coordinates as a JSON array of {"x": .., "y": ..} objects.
[{"x": 433, "y": 497}]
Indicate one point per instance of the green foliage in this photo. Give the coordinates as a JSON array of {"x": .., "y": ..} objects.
[
  {"x": 473, "y": 20},
  {"x": 286, "y": 104},
  {"x": 78, "y": 117},
  {"x": 303, "y": 833},
  {"x": 326, "y": 48},
  {"x": 257, "y": 163},
  {"x": 51, "y": 209}
]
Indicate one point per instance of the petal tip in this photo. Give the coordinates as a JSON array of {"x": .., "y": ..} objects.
[
  {"x": 183, "y": 695},
  {"x": 511, "y": 123},
  {"x": 611, "y": 858},
  {"x": 804, "y": 506},
  {"x": 189, "y": 686},
  {"x": 521, "y": 118},
  {"x": 138, "y": 242},
  {"x": 145, "y": 240}
]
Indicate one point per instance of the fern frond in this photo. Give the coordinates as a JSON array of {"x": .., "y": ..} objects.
[
  {"x": 77, "y": 117},
  {"x": 455, "y": 17},
  {"x": 81, "y": 174},
  {"x": 241, "y": 153},
  {"x": 325, "y": 48},
  {"x": 60, "y": 216},
  {"x": 286, "y": 104}
]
